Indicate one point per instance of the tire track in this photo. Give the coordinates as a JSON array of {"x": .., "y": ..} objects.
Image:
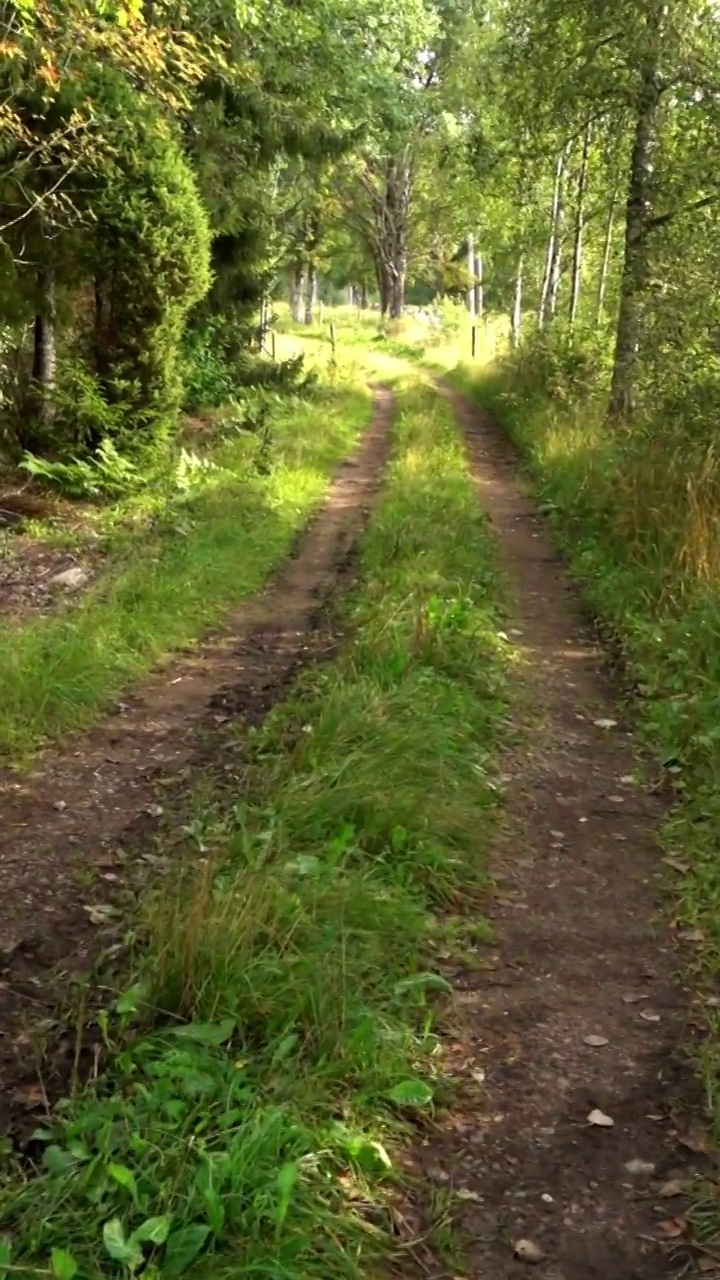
[
  {"x": 578, "y": 1009},
  {"x": 68, "y": 829}
]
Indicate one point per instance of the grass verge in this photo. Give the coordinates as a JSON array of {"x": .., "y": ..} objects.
[
  {"x": 245, "y": 1130},
  {"x": 636, "y": 514},
  {"x": 171, "y": 578}
]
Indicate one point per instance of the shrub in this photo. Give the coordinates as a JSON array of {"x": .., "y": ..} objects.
[{"x": 152, "y": 259}]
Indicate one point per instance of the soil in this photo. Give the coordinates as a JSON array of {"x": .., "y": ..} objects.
[
  {"x": 582, "y": 950},
  {"x": 28, "y": 569},
  {"x": 74, "y": 832}
]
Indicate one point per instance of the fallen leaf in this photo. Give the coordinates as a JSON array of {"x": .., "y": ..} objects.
[
  {"x": 558, "y": 835},
  {"x": 596, "y": 1042},
  {"x": 617, "y": 799},
  {"x": 100, "y": 912},
  {"x": 677, "y": 865},
  {"x": 155, "y": 810},
  {"x": 634, "y": 998},
  {"x": 464, "y": 1193},
  {"x": 31, "y": 1095},
  {"x": 698, "y": 1142},
  {"x": 640, "y": 1168},
  {"x": 673, "y": 1227},
  {"x": 528, "y": 1251},
  {"x": 605, "y": 724},
  {"x": 674, "y": 1187},
  {"x": 599, "y": 1119},
  {"x": 707, "y": 1265},
  {"x": 649, "y": 1017},
  {"x": 692, "y": 935}
]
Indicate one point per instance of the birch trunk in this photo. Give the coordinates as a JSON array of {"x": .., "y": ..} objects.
[
  {"x": 471, "y": 297},
  {"x": 551, "y": 255},
  {"x": 633, "y": 280},
  {"x": 517, "y": 302},
  {"x": 44, "y": 350},
  {"x": 577, "y": 258},
  {"x": 296, "y": 291},
  {"x": 479, "y": 293},
  {"x": 605, "y": 265}
]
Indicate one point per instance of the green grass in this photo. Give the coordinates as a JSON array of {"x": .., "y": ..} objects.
[
  {"x": 366, "y": 344},
  {"x": 172, "y": 576},
  {"x": 248, "y": 1129},
  {"x": 637, "y": 513}
]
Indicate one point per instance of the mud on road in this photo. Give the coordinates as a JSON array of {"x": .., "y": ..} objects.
[{"x": 71, "y": 830}]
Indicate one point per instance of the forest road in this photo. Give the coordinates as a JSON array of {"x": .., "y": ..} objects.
[{"x": 578, "y": 1013}]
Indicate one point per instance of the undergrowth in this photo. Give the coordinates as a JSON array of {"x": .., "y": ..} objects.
[
  {"x": 176, "y": 560},
  {"x": 285, "y": 1012},
  {"x": 637, "y": 514}
]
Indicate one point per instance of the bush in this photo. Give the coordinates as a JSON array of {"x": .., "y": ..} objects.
[
  {"x": 152, "y": 262},
  {"x": 209, "y": 378},
  {"x": 560, "y": 365}
]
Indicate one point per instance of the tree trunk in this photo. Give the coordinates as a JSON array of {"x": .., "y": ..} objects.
[
  {"x": 551, "y": 256},
  {"x": 383, "y": 280},
  {"x": 391, "y": 204},
  {"x": 517, "y": 302},
  {"x": 471, "y": 296},
  {"x": 296, "y": 291},
  {"x": 633, "y": 281},
  {"x": 44, "y": 355},
  {"x": 397, "y": 293},
  {"x": 552, "y": 299},
  {"x": 576, "y": 273},
  {"x": 310, "y": 292},
  {"x": 363, "y": 297},
  {"x": 605, "y": 266},
  {"x": 479, "y": 296}
]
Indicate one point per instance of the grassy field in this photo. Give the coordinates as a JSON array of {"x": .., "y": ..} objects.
[
  {"x": 282, "y": 1026},
  {"x": 364, "y": 344},
  {"x": 174, "y": 566}
]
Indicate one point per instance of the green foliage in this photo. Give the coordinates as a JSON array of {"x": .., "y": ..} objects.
[
  {"x": 217, "y": 372},
  {"x": 103, "y": 474},
  {"x": 82, "y": 415},
  {"x": 565, "y": 365},
  {"x": 153, "y": 266},
  {"x": 209, "y": 380}
]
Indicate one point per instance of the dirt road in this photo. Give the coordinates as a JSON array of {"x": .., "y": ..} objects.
[
  {"x": 580, "y": 1012},
  {"x": 72, "y": 832}
]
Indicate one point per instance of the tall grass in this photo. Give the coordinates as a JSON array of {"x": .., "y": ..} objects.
[
  {"x": 288, "y": 995},
  {"x": 168, "y": 581}
]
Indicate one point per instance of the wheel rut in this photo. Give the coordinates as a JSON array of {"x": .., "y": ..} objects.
[
  {"x": 578, "y": 1009},
  {"x": 74, "y": 831}
]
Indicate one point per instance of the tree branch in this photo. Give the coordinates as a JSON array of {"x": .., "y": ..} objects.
[{"x": 664, "y": 218}]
